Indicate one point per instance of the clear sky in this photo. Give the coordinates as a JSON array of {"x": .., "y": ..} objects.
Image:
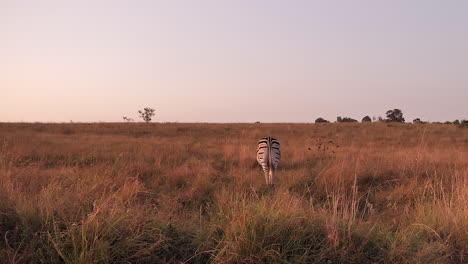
[{"x": 232, "y": 61}]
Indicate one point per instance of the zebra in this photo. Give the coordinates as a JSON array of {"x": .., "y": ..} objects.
[{"x": 268, "y": 156}]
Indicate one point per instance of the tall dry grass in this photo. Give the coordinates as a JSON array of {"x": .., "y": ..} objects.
[{"x": 192, "y": 193}]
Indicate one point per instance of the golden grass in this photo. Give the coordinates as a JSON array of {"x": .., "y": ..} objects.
[{"x": 192, "y": 193}]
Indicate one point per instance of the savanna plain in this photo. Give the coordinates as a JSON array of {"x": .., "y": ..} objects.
[{"x": 193, "y": 193}]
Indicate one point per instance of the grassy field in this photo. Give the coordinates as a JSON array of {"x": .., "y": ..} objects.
[{"x": 193, "y": 193}]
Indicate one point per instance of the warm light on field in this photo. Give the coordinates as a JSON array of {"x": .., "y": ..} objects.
[{"x": 193, "y": 193}]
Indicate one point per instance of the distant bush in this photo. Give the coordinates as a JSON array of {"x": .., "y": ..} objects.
[
  {"x": 418, "y": 121},
  {"x": 456, "y": 122},
  {"x": 321, "y": 120},
  {"x": 464, "y": 123},
  {"x": 395, "y": 115},
  {"x": 366, "y": 119},
  {"x": 339, "y": 119},
  {"x": 127, "y": 119}
]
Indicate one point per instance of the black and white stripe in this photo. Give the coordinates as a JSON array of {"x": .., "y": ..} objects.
[{"x": 268, "y": 156}]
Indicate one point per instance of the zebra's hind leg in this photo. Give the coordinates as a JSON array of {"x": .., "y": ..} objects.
[
  {"x": 270, "y": 176},
  {"x": 266, "y": 176}
]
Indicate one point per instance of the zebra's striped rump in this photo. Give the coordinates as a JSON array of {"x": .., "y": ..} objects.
[{"x": 268, "y": 156}]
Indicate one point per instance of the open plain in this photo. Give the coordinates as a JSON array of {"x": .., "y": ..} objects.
[{"x": 193, "y": 193}]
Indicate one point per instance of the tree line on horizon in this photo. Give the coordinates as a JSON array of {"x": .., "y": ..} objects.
[{"x": 392, "y": 115}]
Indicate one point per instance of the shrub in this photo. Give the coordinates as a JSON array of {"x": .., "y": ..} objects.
[
  {"x": 127, "y": 119},
  {"x": 366, "y": 119},
  {"x": 321, "y": 120},
  {"x": 464, "y": 123},
  {"x": 345, "y": 120}
]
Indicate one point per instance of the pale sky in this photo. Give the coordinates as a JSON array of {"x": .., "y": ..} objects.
[{"x": 232, "y": 61}]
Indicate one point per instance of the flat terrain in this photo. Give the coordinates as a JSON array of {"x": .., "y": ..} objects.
[{"x": 193, "y": 193}]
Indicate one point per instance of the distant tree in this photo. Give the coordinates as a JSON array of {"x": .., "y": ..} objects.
[
  {"x": 395, "y": 115},
  {"x": 146, "y": 114},
  {"x": 321, "y": 120},
  {"x": 456, "y": 122},
  {"x": 127, "y": 119},
  {"x": 339, "y": 119},
  {"x": 380, "y": 119},
  {"x": 464, "y": 123},
  {"x": 366, "y": 119},
  {"x": 447, "y": 122}
]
